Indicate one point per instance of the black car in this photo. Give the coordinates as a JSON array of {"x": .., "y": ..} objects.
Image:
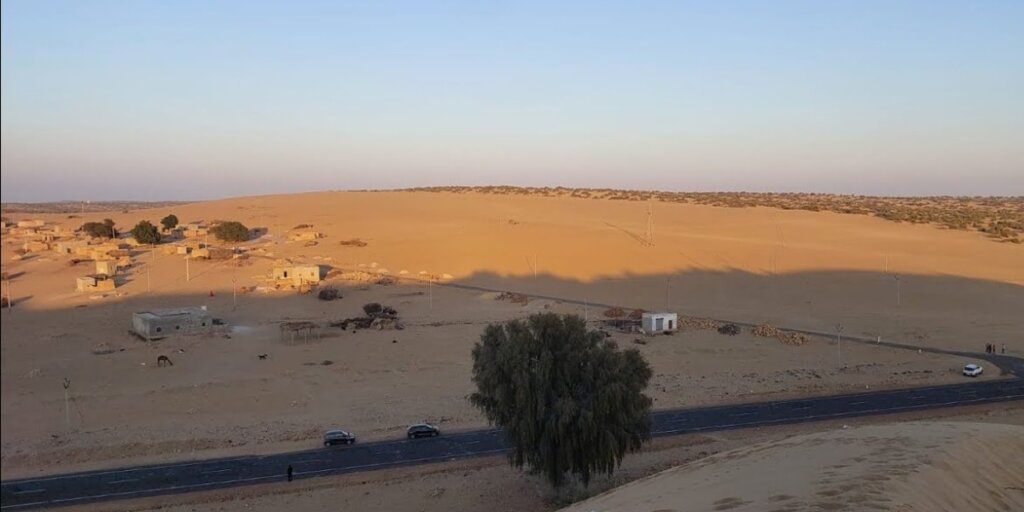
[
  {"x": 422, "y": 430},
  {"x": 333, "y": 437}
]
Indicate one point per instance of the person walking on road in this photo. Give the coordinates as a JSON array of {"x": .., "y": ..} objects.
[{"x": 291, "y": 471}]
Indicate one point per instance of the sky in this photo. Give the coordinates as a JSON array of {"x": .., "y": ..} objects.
[{"x": 187, "y": 100}]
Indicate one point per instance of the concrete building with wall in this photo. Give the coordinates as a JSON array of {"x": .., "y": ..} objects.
[
  {"x": 106, "y": 267},
  {"x": 95, "y": 283},
  {"x": 158, "y": 323},
  {"x": 298, "y": 274},
  {"x": 659, "y": 322}
]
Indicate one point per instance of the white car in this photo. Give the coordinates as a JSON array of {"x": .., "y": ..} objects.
[{"x": 973, "y": 370}]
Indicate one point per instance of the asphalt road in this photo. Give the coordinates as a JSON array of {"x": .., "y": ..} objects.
[{"x": 140, "y": 481}]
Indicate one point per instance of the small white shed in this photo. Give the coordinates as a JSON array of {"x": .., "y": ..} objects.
[{"x": 659, "y": 322}]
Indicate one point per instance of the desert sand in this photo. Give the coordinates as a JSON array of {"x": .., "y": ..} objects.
[
  {"x": 933, "y": 466},
  {"x": 812, "y": 270}
]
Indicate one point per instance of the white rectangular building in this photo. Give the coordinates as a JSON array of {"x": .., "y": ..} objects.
[{"x": 659, "y": 322}]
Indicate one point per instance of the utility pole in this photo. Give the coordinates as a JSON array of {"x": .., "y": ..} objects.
[
  {"x": 650, "y": 225},
  {"x": 839, "y": 342},
  {"x": 67, "y": 408},
  {"x": 668, "y": 282},
  {"x": 188, "y": 276}
]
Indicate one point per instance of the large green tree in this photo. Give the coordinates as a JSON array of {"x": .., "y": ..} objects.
[
  {"x": 568, "y": 399},
  {"x": 146, "y": 233},
  {"x": 169, "y": 222},
  {"x": 230, "y": 231}
]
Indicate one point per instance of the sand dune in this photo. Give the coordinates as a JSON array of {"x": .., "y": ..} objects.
[{"x": 918, "y": 466}]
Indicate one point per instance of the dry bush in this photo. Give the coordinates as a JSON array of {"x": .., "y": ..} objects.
[
  {"x": 355, "y": 242},
  {"x": 699, "y": 323},
  {"x": 765, "y": 330},
  {"x": 636, "y": 314},
  {"x": 515, "y": 298},
  {"x": 614, "y": 312},
  {"x": 729, "y": 329}
]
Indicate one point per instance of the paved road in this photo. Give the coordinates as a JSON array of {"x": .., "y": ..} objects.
[{"x": 217, "y": 473}]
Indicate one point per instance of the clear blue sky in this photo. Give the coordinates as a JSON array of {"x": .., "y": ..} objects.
[{"x": 197, "y": 99}]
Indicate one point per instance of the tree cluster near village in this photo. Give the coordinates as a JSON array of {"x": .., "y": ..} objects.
[
  {"x": 230, "y": 231},
  {"x": 103, "y": 229}
]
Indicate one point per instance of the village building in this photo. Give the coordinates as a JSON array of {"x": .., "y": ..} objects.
[
  {"x": 158, "y": 323},
  {"x": 35, "y": 246},
  {"x": 194, "y": 229},
  {"x": 106, "y": 267},
  {"x": 659, "y": 322},
  {"x": 95, "y": 283},
  {"x": 297, "y": 274}
]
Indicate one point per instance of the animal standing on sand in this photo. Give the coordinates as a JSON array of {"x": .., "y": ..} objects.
[
  {"x": 261, "y": 356},
  {"x": 162, "y": 361}
]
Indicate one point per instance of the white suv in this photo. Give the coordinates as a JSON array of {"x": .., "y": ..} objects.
[{"x": 972, "y": 370}]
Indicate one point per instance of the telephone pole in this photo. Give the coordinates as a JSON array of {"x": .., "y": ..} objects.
[
  {"x": 67, "y": 408},
  {"x": 650, "y": 224},
  {"x": 839, "y": 342}
]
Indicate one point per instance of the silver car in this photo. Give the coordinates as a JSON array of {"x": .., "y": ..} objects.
[{"x": 333, "y": 437}]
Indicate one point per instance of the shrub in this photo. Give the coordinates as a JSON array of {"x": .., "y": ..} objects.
[{"x": 372, "y": 309}]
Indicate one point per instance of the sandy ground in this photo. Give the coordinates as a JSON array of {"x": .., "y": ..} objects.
[
  {"x": 934, "y": 466},
  {"x": 489, "y": 484},
  {"x": 802, "y": 269}
]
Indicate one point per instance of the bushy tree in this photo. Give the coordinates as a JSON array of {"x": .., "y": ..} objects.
[
  {"x": 230, "y": 231},
  {"x": 169, "y": 222},
  {"x": 568, "y": 400},
  {"x": 146, "y": 233},
  {"x": 103, "y": 229}
]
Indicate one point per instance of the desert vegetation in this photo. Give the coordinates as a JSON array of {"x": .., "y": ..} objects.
[
  {"x": 1000, "y": 218},
  {"x": 84, "y": 206}
]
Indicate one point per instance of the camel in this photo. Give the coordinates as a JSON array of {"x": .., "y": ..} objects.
[{"x": 163, "y": 361}]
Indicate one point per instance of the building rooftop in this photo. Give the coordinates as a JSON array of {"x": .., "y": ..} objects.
[{"x": 171, "y": 312}]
